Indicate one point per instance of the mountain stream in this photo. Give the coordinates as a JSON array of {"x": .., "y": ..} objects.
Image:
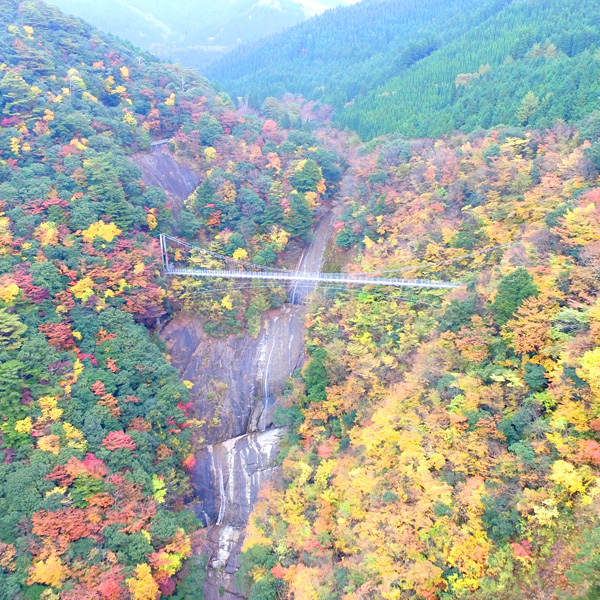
[{"x": 237, "y": 381}]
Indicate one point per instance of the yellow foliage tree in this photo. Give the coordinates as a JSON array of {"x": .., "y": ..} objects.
[
  {"x": 210, "y": 154},
  {"x": 83, "y": 289},
  {"x": 278, "y": 236},
  {"x": 142, "y": 585},
  {"x": 566, "y": 475},
  {"x": 15, "y": 145},
  {"x": 151, "y": 220},
  {"x": 240, "y": 254},
  {"x": 47, "y": 234},
  {"x": 49, "y": 443},
  {"x": 9, "y": 292},
  {"x": 48, "y": 572},
  {"x": 580, "y": 226},
  {"x": 129, "y": 119},
  {"x": 87, "y": 96},
  {"x": 274, "y": 161},
  {"x": 590, "y": 369},
  {"x": 228, "y": 192},
  {"x": 226, "y": 303},
  {"x": 24, "y": 425},
  {"x": 312, "y": 199},
  {"x": 107, "y": 231}
]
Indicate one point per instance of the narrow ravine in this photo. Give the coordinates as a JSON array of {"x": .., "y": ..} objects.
[
  {"x": 237, "y": 381},
  {"x": 236, "y": 385}
]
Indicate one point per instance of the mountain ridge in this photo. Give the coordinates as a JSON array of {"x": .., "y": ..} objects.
[
  {"x": 192, "y": 33},
  {"x": 429, "y": 82}
]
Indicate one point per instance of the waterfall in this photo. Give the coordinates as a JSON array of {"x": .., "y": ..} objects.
[{"x": 239, "y": 456}]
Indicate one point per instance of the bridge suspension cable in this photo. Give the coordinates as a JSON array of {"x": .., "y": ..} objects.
[
  {"x": 268, "y": 273},
  {"x": 314, "y": 278}
]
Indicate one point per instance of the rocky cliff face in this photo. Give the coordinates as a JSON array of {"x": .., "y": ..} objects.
[
  {"x": 161, "y": 169},
  {"x": 235, "y": 378},
  {"x": 236, "y": 384},
  {"x": 228, "y": 479}
]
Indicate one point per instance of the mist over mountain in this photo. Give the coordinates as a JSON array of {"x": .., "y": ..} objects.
[{"x": 194, "y": 33}]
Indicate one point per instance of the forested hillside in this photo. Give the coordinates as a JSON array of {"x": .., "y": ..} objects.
[
  {"x": 335, "y": 57},
  {"x": 97, "y": 435},
  {"x": 94, "y": 428},
  {"x": 427, "y": 69},
  {"x": 447, "y": 446},
  {"x": 438, "y": 445}
]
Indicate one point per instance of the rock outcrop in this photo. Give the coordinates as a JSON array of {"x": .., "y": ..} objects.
[{"x": 236, "y": 384}]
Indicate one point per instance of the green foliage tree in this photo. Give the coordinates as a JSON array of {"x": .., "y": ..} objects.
[
  {"x": 586, "y": 573},
  {"x": 316, "y": 377},
  {"x": 299, "y": 221},
  {"x": 528, "y": 107},
  {"x": 513, "y": 289},
  {"x": 258, "y": 557},
  {"x": 492, "y": 63},
  {"x": 306, "y": 178},
  {"x": 11, "y": 330}
]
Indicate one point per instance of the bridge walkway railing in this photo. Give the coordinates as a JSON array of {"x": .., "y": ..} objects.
[{"x": 347, "y": 278}]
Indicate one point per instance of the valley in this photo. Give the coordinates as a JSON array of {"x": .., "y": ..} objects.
[
  {"x": 169, "y": 435},
  {"x": 194, "y": 34},
  {"x": 237, "y": 382}
]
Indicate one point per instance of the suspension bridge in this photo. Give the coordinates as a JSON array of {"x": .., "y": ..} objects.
[{"x": 239, "y": 269}]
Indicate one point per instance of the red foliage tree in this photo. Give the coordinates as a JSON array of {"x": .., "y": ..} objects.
[
  {"x": 59, "y": 335},
  {"x": 69, "y": 524},
  {"x": 117, "y": 440},
  {"x": 98, "y": 388},
  {"x": 94, "y": 465}
]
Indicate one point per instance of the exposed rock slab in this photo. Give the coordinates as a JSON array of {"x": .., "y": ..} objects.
[
  {"x": 236, "y": 378},
  {"x": 238, "y": 468},
  {"x": 236, "y": 384},
  {"x": 161, "y": 169}
]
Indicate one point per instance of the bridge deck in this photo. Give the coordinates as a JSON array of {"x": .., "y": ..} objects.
[{"x": 347, "y": 278}]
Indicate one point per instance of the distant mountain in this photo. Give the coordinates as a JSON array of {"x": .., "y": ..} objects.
[
  {"x": 194, "y": 33},
  {"x": 428, "y": 68}
]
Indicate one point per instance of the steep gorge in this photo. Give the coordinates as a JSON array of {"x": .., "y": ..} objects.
[{"x": 236, "y": 384}]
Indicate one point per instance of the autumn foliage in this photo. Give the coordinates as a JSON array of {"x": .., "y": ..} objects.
[
  {"x": 447, "y": 446},
  {"x": 86, "y": 398}
]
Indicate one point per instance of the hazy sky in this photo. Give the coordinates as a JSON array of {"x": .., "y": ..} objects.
[
  {"x": 194, "y": 32},
  {"x": 312, "y": 7}
]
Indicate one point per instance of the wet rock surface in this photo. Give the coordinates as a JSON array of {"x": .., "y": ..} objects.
[
  {"x": 241, "y": 466},
  {"x": 228, "y": 479},
  {"x": 235, "y": 378},
  {"x": 236, "y": 384}
]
